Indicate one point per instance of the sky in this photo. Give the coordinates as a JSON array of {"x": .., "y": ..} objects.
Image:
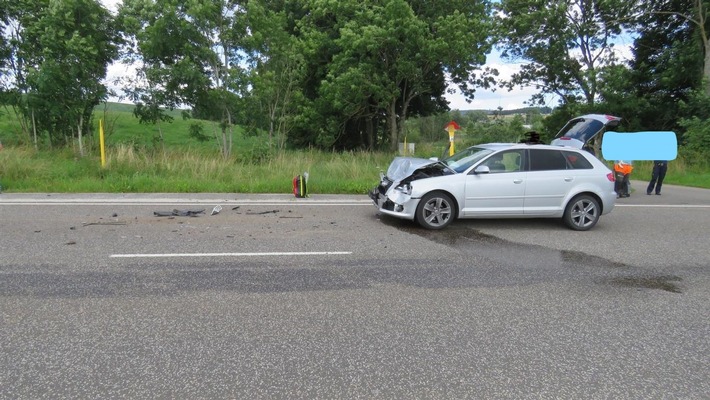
[{"x": 485, "y": 99}]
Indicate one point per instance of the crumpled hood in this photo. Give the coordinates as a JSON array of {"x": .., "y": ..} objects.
[{"x": 403, "y": 167}]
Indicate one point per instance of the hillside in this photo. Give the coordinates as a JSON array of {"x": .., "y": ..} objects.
[{"x": 525, "y": 110}]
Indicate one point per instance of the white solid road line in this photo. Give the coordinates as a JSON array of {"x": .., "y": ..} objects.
[
  {"x": 169, "y": 202},
  {"x": 267, "y": 254},
  {"x": 664, "y": 205}
]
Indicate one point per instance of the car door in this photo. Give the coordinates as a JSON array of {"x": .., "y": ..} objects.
[
  {"x": 548, "y": 182},
  {"x": 499, "y": 192}
]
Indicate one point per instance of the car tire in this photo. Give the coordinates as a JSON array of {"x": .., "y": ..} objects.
[
  {"x": 582, "y": 213},
  {"x": 436, "y": 210}
]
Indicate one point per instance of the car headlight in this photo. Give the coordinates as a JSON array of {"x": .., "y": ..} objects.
[{"x": 405, "y": 188}]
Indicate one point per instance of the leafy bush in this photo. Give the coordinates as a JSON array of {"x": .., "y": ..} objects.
[{"x": 697, "y": 135}]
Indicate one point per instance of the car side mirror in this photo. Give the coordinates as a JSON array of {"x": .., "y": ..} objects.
[{"x": 482, "y": 169}]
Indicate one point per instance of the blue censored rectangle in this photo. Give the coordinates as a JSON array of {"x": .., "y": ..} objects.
[{"x": 652, "y": 145}]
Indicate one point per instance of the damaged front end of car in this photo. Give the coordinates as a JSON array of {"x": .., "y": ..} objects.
[{"x": 396, "y": 195}]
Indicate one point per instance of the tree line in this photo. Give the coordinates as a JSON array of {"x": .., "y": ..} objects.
[{"x": 348, "y": 74}]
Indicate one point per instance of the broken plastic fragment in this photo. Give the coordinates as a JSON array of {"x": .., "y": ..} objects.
[{"x": 180, "y": 213}]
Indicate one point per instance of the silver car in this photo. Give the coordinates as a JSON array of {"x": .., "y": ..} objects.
[{"x": 499, "y": 180}]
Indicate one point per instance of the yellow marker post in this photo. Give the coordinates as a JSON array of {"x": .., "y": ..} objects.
[
  {"x": 101, "y": 143},
  {"x": 452, "y": 127}
]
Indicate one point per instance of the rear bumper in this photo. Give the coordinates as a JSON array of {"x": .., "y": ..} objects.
[{"x": 608, "y": 201}]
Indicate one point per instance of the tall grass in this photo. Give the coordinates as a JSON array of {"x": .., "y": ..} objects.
[
  {"x": 193, "y": 170},
  {"x": 131, "y": 169}
]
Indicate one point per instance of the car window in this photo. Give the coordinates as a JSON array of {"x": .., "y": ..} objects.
[
  {"x": 504, "y": 161},
  {"x": 576, "y": 160},
  {"x": 547, "y": 160},
  {"x": 461, "y": 161},
  {"x": 582, "y": 129}
]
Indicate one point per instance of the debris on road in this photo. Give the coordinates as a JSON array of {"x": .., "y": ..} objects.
[
  {"x": 263, "y": 212},
  {"x": 178, "y": 213},
  {"x": 105, "y": 223}
]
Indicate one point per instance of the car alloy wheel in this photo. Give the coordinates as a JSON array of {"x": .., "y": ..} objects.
[
  {"x": 582, "y": 213},
  {"x": 435, "y": 211}
]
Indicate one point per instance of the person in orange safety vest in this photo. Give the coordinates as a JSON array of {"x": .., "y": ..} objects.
[{"x": 622, "y": 171}]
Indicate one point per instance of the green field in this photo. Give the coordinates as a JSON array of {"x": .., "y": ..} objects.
[{"x": 137, "y": 161}]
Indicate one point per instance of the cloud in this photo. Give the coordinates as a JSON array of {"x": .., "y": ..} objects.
[
  {"x": 485, "y": 99},
  {"x": 111, "y": 5},
  {"x": 516, "y": 98}
]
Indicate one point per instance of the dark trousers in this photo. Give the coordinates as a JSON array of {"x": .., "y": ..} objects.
[
  {"x": 659, "y": 172},
  {"x": 621, "y": 186}
]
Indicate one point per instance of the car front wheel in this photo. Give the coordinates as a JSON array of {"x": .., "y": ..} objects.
[
  {"x": 435, "y": 211},
  {"x": 582, "y": 213}
]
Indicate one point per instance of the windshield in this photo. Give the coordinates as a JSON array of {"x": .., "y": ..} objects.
[{"x": 463, "y": 160}]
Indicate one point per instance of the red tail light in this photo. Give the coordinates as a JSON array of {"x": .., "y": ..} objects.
[{"x": 610, "y": 177}]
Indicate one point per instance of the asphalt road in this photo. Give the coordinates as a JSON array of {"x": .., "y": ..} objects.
[{"x": 276, "y": 297}]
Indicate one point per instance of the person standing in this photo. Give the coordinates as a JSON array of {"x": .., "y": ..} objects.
[{"x": 659, "y": 172}]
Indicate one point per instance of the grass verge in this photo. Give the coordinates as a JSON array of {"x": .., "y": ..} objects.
[{"x": 132, "y": 169}]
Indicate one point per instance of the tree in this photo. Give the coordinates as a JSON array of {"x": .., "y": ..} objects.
[
  {"x": 376, "y": 63},
  {"x": 566, "y": 44},
  {"x": 59, "y": 52},
  {"x": 276, "y": 70},
  {"x": 4, "y": 42},
  {"x": 382, "y": 61},
  {"x": 18, "y": 56},
  {"x": 189, "y": 56},
  {"x": 699, "y": 18},
  {"x": 702, "y": 20},
  {"x": 659, "y": 87},
  {"x": 665, "y": 70},
  {"x": 677, "y": 13}
]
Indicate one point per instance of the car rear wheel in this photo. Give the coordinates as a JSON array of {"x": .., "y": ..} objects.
[
  {"x": 582, "y": 213},
  {"x": 435, "y": 210}
]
